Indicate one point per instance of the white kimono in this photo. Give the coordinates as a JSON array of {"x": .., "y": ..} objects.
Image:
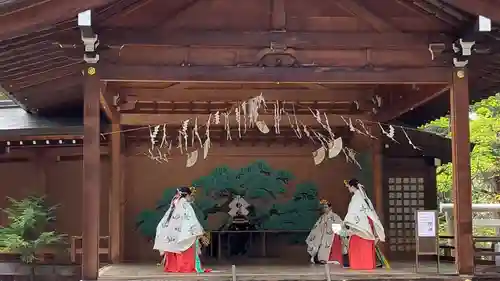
[
  {"x": 180, "y": 232},
  {"x": 320, "y": 239},
  {"x": 359, "y": 210}
]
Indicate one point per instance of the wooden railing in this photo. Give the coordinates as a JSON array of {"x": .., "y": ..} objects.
[
  {"x": 76, "y": 247},
  {"x": 482, "y": 254}
]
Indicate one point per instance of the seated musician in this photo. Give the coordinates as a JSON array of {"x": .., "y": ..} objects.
[
  {"x": 179, "y": 233},
  {"x": 323, "y": 245}
]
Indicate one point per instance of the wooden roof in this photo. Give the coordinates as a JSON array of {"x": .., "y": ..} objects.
[{"x": 41, "y": 55}]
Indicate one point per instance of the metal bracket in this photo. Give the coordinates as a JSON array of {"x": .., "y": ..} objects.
[
  {"x": 91, "y": 58},
  {"x": 90, "y": 43},
  {"x": 460, "y": 63},
  {"x": 466, "y": 47},
  {"x": 436, "y": 49}
]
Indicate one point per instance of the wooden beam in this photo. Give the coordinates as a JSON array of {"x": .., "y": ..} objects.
[
  {"x": 42, "y": 14},
  {"x": 235, "y": 74},
  {"x": 411, "y": 99},
  {"x": 334, "y": 95},
  {"x": 91, "y": 174},
  {"x": 363, "y": 14},
  {"x": 378, "y": 178},
  {"x": 296, "y": 40},
  {"x": 116, "y": 193},
  {"x": 106, "y": 102},
  {"x": 432, "y": 13},
  {"x": 278, "y": 15},
  {"x": 487, "y": 8},
  {"x": 462, "y": 188},
  {"x": 140, "y": 119},
  {"x": 42, "y": 165}
]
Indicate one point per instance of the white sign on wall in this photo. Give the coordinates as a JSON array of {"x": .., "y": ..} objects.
[{"x": 426, "y": 224}]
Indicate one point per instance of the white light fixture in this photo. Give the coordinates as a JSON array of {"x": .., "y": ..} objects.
[
  {"x": 85, "y": 18},
  {"x": 484, "y": 24}
]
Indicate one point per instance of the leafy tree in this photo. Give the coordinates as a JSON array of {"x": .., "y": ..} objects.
[
  {"x": 260, "y": 185},
  {"x": 27, "y": 234},
  {"x": 485, "y": 156}
]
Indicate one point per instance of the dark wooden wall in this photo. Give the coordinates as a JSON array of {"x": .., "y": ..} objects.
[{"x": 41, "y": 173}]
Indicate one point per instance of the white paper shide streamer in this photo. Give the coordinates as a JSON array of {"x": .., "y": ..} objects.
[{"x": 248, "y": 112}]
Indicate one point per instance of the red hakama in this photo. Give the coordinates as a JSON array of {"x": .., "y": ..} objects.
[
  {"x": 336, "y": 250},
  {"x": 362, "y": 252},
  {"x": 185, "y": 262}
]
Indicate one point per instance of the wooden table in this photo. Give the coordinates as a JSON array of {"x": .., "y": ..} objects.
[{"x": 263, "y": 233}]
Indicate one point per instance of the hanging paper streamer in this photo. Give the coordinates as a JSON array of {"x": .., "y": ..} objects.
[
  {"x": 335, "y": 147},
  {"x": 319, "y": 155},
  {"x": 263, "y": 128},
  {"x": 248, "y": 112},
  {"x": 192, "y": 158}
]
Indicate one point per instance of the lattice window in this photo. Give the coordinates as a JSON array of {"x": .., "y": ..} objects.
[{"x": 406, "y": 195}]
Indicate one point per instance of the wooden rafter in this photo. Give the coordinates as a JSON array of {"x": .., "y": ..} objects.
[
  {"x": 55, "y": 85},
  {"x": 172, "y": 14},
  {"x": 487, "y": 8},
  {"x": 26, "y": 19},
  {"x": 359, "y": 10},
  {"x": 36, "y": 79},
  {"x": 431, "y": 12},
  {"x": 411, "y": 98},
  {"x": 232, "y": 74}
]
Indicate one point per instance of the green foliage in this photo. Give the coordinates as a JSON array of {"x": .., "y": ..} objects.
[
  {"x": 27, "y": 232},
  {"x": 484, "y": 130},
  {"x": 485, "y": 157},
  {"x": 259, "y": 184},
  {"x": 299, "y": 213}
]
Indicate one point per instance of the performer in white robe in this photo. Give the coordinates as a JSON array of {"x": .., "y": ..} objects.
[
  {"x": 323, "y": 245},
  {"x": 177, "y": 235},
  {"x": 364, "y": 228}
]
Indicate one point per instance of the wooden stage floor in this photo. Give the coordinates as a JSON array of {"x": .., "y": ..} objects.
[{"x": 268, "y": 271}]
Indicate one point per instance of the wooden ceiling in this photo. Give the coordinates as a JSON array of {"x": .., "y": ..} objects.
[{"x": 260, "y": 42}]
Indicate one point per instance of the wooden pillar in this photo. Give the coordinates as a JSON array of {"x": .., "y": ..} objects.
[
  {"x": 378, "y": 182},
  {"x": 378, "y": 179},
  {"x": 462, "y": 190},
  {"x": 116, "y": 193},
  {"x": 41, "y": 164},
  {"x": 91, "y": 174}
]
